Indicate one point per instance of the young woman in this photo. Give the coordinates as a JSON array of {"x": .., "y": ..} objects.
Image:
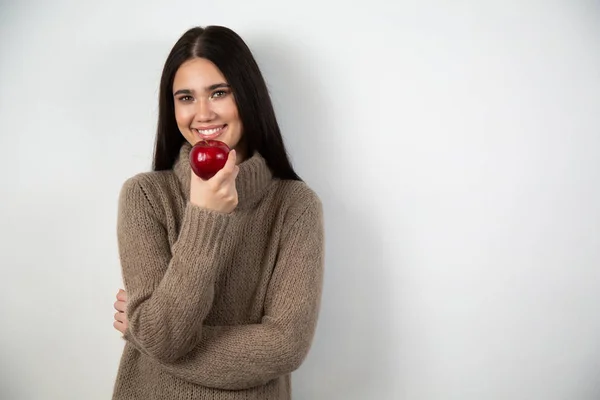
[{"x": 223, "y": 277}]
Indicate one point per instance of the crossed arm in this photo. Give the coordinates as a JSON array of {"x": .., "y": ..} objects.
[{"x": 170, "y": 292}]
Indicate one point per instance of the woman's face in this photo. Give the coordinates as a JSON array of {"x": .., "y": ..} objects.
[{"x": 205, "y": 107}]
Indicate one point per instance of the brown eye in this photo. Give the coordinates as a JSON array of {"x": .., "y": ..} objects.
[
  {"x": 185, "y": 99},
  {"x": 218, "y": 93}
]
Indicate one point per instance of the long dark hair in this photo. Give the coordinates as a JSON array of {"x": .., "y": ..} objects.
[{"x": 231, "y": 55}]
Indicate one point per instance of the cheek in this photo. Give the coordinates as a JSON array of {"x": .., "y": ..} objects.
[
  {"x": 182, "y": 115},
  {"x": 228, "y": 110}
]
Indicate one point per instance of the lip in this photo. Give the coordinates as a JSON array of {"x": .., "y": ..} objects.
[{"x": 211, "y": 136}]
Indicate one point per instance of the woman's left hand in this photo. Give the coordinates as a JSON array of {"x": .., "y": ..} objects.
[{"x": 121, "y": 322}]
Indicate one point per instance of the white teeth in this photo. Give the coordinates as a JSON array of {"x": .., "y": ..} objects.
[{"x": 208, "y": 131}]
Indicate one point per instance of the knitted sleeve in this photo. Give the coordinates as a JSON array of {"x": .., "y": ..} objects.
[
  {"x": 243, "y": 356},
  {"x": 169, "y": 294}
]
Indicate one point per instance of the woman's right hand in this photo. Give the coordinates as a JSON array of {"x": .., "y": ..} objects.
[{"x": 219, "y": 192}]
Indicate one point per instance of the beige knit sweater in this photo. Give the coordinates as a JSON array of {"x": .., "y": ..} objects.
[{"x": 221, "y": 306}]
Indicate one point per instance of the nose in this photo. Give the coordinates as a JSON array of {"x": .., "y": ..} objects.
[{"x": 204, "y": 111}]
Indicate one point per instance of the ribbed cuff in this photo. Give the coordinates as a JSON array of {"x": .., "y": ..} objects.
[{"x": 202, "y": 232}]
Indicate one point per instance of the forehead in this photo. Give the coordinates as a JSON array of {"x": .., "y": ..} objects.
[{"x": 197, "y": 73}]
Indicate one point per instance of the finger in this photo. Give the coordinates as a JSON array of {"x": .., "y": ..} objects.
[
  {"x": 119, "y": 326},
  {"x": 231, "y": 160},
  {"x": 230, "y": 163},
  {"x": 122, "y": 295},
  {"x": 120, "y": 306},
  {"x": 228, "y": 169},
  {"x": 119, "y": 316},
  {"x": 230, "y": 179}
]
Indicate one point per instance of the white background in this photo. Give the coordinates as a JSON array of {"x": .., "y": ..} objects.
[{"x": 455, "y": 146}]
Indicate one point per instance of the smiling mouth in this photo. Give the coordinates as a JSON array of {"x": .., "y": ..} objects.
[{"x": 212, "y": 133}]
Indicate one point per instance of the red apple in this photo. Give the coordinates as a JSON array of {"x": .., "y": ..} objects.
[{"x": 208, "y": 157}]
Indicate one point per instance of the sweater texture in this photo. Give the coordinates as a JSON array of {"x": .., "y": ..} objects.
[{"x": 220, "y": 306}]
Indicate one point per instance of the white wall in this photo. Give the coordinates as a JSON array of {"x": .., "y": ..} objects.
[{"x": 455, "y": 146}]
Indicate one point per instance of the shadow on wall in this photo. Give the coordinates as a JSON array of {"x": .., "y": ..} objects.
[{"x": 351, "y": 357}]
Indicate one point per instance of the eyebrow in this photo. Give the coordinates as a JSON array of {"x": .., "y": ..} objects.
[{"x": 208, "y": 88}]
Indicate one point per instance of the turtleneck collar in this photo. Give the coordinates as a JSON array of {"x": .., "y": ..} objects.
[{"x": 254, "y": 176}]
